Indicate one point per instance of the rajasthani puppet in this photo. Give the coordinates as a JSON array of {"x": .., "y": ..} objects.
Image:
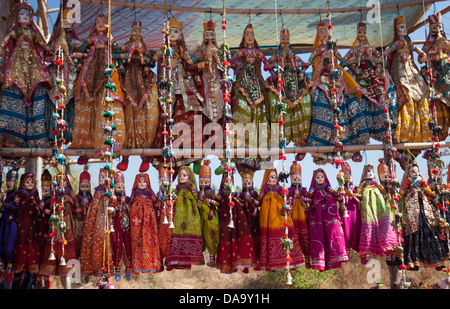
[
  {"x": 236, "y": 249},
  {"x": 186, "y": 241},
  {"x": 120, "y": 237},
  {"x": 377, "y": 237},
  {"x": 145, "y": 254},
  {"x": 297, "y": 202},
  {"x": 65, "y": 37},
  {"x": 84, "y": 199},
  {"x": 248, "y": 101},
  {"x": 295, "y": 92},
  {"x": 163, "y": 211},
  {"x": 423, "y": 245},
  {"x": 437, "y": 48},
  {"x": 412, "y": 89},
  {"x": 95, "y": 250},
  {"x": 26, "y": 80},
  {"x": 351, "y": 225},
  {"x": 367, "y": 68},
  {"x": 347, "y": 94},
  {"x": 140, "y": 93},
  {"x": 91, "y": 92},
  {"x": 56, "y": 256},
  {"x": 326, "y": 238},
  {"x": 209, "y": 214},
  {"x": 272, "y": 229}
]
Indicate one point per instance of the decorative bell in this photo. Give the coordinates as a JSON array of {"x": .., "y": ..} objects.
[
  {"x": 62, "y": 262},
  {"x": 231, "y": 224},
  {"x": 165, "y": 221},
  {"x": 51, "y": 257},
  {"x": 289, "y": 278},
  {"x": 171, "y": 226}
]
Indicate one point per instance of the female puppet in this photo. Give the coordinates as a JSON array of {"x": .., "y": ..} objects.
[
  {"x": 84, "y": 199},
  {"x": 377, "y": 237},
  {"x": 297, "y": 202},
  {"x": 326, "y": 238},
  {"x": 437, "y": 48},
  {"x": 120, "y": 238},
  {"x": 145, "y": 253},
  {"x": 248, "y": 198},
  {"x": 351, "y": 225},
  {"x": 248, "y": 94},
  {"x": 272, "y": 229},
  {"x": 64, "y": 246},
  {"x": 423, "y": 246},
  {"x": 209, "y": 213},
  {"x": 185, "y": 102},
  {"x": 186, "y": 242},
  {"x": 163, "y": 211},
  {"x": 295, "y": 91},
  {"x": 412, "y": 89},
  {"x": 349, "y": 114},
  {"x": 367, "y": 68},
  {"x": 91, "y": 92},
  {"x": 236, "y": 249},
  {"x": 140, "y": 92},
  {"x": 26, "y": 80},
  {"x": 95, "y": 250}
]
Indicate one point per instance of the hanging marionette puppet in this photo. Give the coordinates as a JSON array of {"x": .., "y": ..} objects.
[
  {"x": 120, "y": 236},
  {"x": 423, "y": 246},
  {"x": 351, "y": 224},
  {"x": 186, "y": 241},
  {"x": 378, "y": 91},
  {"x": 248, "y": 100},
  {"x": 377, "y": 237},
  {"x": 412, "y": 89},
  {"x": 61, "y": 244},
  {"x": 295, "y": 91},
  {"x": 26, "y": 80},
  {"x": 64, "y": 37},
  {"x": 272, "y": 227},
  {"x": 91, "y": 92},
  {"x": 164, "y": 211},
  {"x": 140, "y": 95},
  {"x": 326, "y": 238},
  {"x": 8, "y": 225},
  {"x": 145, "y": 252},
  {"x": 209, "y": 213},
  {"x": 298, "y": 205},
  {"x": 95, "y": 251},
  {"x": 84, "y": 199},
  {"x": 185, "y": 103},
  {"x": 248, "y": 198},
  {"x": 236, "y": 250},
  {"x": 437, "y": 48},
  {"x": 335, "y": 99}
]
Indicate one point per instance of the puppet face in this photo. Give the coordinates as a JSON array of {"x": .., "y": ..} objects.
[
  {"x": 101, "y": 178},
  {"x": 46, "y": 190},
  {"x": 414, "y": 172},
  {"x": 369, "y": 173},
  {"x": 136, "y": 32},
  {"x": 284, "y": 40},
  {"x": 24, "y": 17},
  {"x": 67, "y": 24},
  {"x": 204, "y": 182},
  {"x": 296, "y": 179},
  {"x": 322, "y": 33},
  {"x": 348, "y": 178},
  {"x": 85, "y": 186},
  {"x": 209, "y": 38},
  {"x": 435, "y": 29},
  {"x": 175, "y": 34},
  {"x": 142, "y": 183},
  {"x": 272, "y": 178},
  {"x": 228, "y": 181},
  {"x": 101, "y": 24},
  {"x": 320, "y": 178},
  {"x": 249, "y": 36},
  {"x": 10, "y": 184},
  {"x": 401, "y": 30},
  {"x": 384, "y": 177},
  {"x": 163, "y": 181},
  {"x": 120, "y": 187},
  {"x": 361, "y": 34},
  {"x": 29, "y": 183},
  {"x": 247, "y": 183},
  {"x": 184, "y": 176}
]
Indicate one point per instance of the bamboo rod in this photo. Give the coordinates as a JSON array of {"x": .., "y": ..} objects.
[
  {"x": 195, "y": 9},
  {"x": 200, "y": 153}
]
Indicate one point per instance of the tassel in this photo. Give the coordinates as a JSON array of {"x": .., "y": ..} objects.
[
  {"x": 62, "y": 262},
  {"x": 51, "y": 257}
]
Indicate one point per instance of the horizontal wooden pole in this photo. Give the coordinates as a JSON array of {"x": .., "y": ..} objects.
[{"x": 200, "y": 153}]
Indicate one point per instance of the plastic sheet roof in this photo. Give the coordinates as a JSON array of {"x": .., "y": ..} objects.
[{"x": 302, "y": 26}]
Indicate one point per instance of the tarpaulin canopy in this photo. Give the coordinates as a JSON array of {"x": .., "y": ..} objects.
[{"x": 300, "y": 17}]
